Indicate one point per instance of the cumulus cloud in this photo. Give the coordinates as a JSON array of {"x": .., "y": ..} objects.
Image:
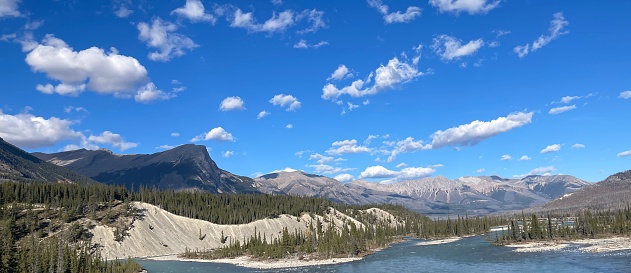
[
  {"x": 231, "y": 103},
  {"x": 89, "y": 69},
  {"x": 302, "y": 43},
  {"x": 9, "y": 8},
  {"x": 408, "y": 145},
  {"x": 578, "y": 146},
  {"x": 347, "y": 147},
  {"x": 69, "y": 109},
  {"x": 285, "y": 170},
  {"x": 194, "y": 10},
  {"x": 278, "y": 23},
  {"x": 217, "y": 133},
  {"x": 559, "y": 110},
  {"x": 322, "y": 159},
  {"x": 450, "y": 48},
  {"x": 28, "y": 131},
  {"x": 227, "y": 154},
  {"x": 328, "y": 169},
  {"x": 149, "y": 93},
  {"x": 469, "y": 6},
  {"x": 538, "y": 171},
  {"x": 161, "y": 36},
  {"x": 506, "y": 157},
  {"x": 397, "y": 16},
  {"x": 524, "y": 158},
  {"x": 625, "y": 153},
  {"x": 289, "y": 126},
  {"x": 394, "y": 176},
  {"x": 480, "y": 170},
  {"x": 551, "y": 148},
  {"x": 123, "y": 12},
  {"x": 290, "y": 102},
  {"x": 344, "y": 177},
  {"x": 393, "y": 74},
  {"x": 314, "y": 18},
  {"x": 263, "y": 114},
  {"x": 556, "y": 29},
  {"x": 477, "y": 131},
  {"x": 115, "y": 140},
  {"x": 625, "y": 94},
  {"x": 340, "y": 73},
  {"x": 175, "y": 134}
]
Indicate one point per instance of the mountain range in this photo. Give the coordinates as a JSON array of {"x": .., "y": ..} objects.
[{"x": 190, "y": 167}]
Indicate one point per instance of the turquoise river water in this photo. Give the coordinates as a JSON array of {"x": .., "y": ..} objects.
[{"x": 473, "y": 254}]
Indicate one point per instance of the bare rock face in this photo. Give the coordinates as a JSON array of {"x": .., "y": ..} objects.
[
  {"x": 18, "y": 165},
  {"x": 431, "y": 195},
  {"x": 187, "y": 167}
]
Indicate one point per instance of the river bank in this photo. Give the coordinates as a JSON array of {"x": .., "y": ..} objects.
[{"x": 599, "y": 245}]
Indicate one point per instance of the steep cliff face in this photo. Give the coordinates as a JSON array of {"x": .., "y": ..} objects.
[
  {"x": 187, "y": 167},
  {"x": 18, "y": 165}
]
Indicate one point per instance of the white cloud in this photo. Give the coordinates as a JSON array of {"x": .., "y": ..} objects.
[
  {"x": 405, "y": 174},
  {"x": 559, "y": 110},
  {"x": 397, "y": 16},
  {"x": 401, "y": 165},
  {"x": 76, "y": 109},
  {"x": 395, "y": 73},
  {"x": 377, "y": 172},
  {"x": 327, "y": 169},
  {"x": 115, "y": 140},
  {"x": 480, "y": 170},
  {"x": 344, "y": 177},
  {"x": 578, "y": 146},
  {"x": 524, "y": 158},
  {"x": 277, "y": 2},
  {"x": 290, "y": 102},
  {"x": 263, "y": 114},
  {"x": 175, "y": 134},
  {"x": 149, "y": 93},
  {"x": 340, "y": 73},
  {"x": 568, "y": 99},
  {"x": 231, "y": 103},
  {"x": 407, "y": 145},
  {"x": 625, "y": 153},
  {"x": 470, "y": 6},
  {"x": 217, "y": 133},
  {"x": 551, "y": 148},
  {"x": 302, "y": 43},
  {"x": 538, "y": 171},
  {"x": 300, "y": 153},
  {"x": 555, "y": 30},
  {"x": 89, "y": 69},
  {"x": 285, "y": 170},
  {"x": 123, "y": 12},
  {"x": 625, "y": 94},
  {"x": 506, "y": 157},
  {"x": 314, "y": 17},
  {"x": 9, "y": 8},
  {"x": 289, "y": 126},
  {"x": 28, "y": 131},
  {"x": 366, "y": 102},
  {"x": 161, "y": 35},
  {"x": 347, "y": 147},
  {"x": 277, "y": 23},
  {"x": 351, "y": 106},
  {"x": 194, "y": 10},
  {"x": 227, "y": 154},
  {"x": 321, "y": 159},
  {"x": 449, "y": 48},
  {"x": 165, "y": 147},
  {"x": 477, "y": 131}
]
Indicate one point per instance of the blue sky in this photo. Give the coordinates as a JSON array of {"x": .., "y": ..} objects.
[{"x": 376, "y": 90}]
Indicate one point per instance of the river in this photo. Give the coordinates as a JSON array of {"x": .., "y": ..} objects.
[{"x": 473, "y": 254}]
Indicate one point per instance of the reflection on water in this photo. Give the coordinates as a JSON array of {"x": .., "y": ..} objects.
[{"x": 464, "y": 256}]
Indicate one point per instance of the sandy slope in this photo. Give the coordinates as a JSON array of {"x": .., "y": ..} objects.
[{"x": 160, "y": 233}]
